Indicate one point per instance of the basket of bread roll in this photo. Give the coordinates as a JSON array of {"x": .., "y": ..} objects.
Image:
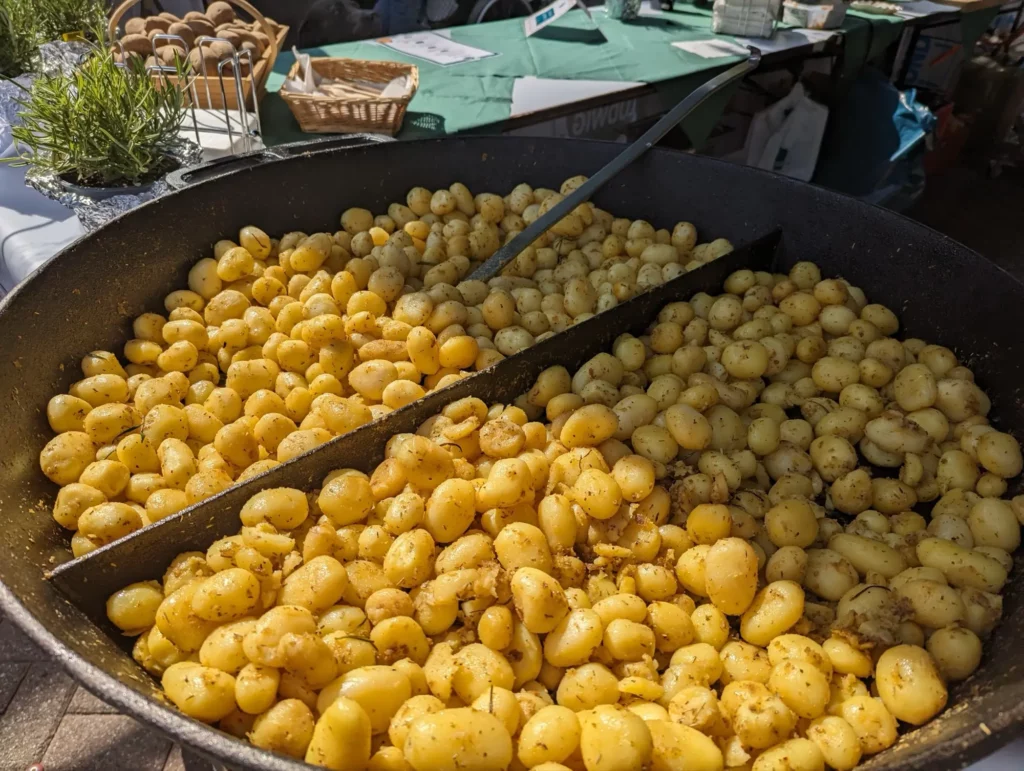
[{"x": 228, "y": 56}]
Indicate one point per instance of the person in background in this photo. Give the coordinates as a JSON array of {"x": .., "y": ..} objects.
[
  {"x": 339, "y": 21},
  {"x": 398, "y": 16},
  {"x": 289, "y": 12},
  {"x": 154, "y": 7}
]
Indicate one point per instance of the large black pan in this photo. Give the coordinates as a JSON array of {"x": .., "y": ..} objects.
[{"x": 85, "y": 299}]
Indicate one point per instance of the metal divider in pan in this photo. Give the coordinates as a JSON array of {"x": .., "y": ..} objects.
[{"x": 145, "y": 554}]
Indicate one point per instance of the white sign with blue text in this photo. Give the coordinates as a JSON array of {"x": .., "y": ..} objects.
[{"x": 551, "y": 13}]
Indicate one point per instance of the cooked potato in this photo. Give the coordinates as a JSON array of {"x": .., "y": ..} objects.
[
  {"x": 518, "y": 583},
  {"x": 909, "y": 684}
]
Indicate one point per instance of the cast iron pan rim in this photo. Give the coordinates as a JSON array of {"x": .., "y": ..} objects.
[{"x": 208, "y": 740}]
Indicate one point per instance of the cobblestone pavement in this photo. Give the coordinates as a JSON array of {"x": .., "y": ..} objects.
[{"x": 46, "y": 718}]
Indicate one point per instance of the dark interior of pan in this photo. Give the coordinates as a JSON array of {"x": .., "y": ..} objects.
[{"x": 86, "y": 299}]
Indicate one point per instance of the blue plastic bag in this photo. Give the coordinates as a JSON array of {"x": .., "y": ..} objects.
[{"x": 874, "y": 148}]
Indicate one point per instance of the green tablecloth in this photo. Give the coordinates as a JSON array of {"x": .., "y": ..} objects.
[{"x": 477, "y": 96}]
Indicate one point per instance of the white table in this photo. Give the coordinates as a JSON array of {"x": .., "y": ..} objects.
[
  {"x": 32, "y": 228},
  {"x": 1009, "y": 758}
]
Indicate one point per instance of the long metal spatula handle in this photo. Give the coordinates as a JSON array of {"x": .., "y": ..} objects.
[{"x": 492, "y": 267}]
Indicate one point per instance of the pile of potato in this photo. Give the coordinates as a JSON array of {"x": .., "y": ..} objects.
[
  {"x": 699, "y": 551},
  {"x": 278, "y": 345},
  {"x": 219, "y": 21}
]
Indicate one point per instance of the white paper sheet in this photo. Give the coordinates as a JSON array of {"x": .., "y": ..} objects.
[
  {"x": 786, "y": 39},
  {"x": 920, "y": 8},
  {"x": 212, "y": 137},
  {"x": 530, "y": 94},
  {"x": 434, "y": 48},
  {"x": 711, "y": 49}
]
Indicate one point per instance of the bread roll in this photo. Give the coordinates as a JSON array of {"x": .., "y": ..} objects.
[
  {"x": 138, "y": 44},
  {"x": 135, "y": 27},
  {"x": 183, "y": 31},
  {"x": 157, "y": 23},
  {"x": 220, "y": 12}
]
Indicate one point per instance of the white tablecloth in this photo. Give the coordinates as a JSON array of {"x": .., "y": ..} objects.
[
  {"x": 32, "y": 228},
  {"x": 1009, "y": 758}
]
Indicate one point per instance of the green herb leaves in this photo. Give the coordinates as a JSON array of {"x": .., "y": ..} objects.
[
  {"x": 18, "y": 37},
  {"x": 101, "y": 125},
  {"x": 55, "y": 18},
  {"x": 26, "y": 24}
]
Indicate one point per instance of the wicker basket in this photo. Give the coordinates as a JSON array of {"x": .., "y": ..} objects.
[
  {"x": 209, "y": 90},
  {"x": 321, "y": 114}
]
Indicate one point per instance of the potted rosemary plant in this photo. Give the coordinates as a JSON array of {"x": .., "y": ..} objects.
[{"x": 104, "y": 129}]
